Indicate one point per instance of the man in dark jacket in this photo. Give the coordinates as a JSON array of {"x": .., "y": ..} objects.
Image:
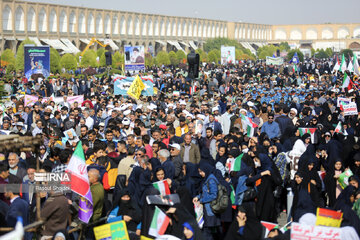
[{"x": 283, "y": 120}]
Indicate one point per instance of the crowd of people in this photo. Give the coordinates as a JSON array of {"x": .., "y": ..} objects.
[{"x": 190, "y": 140}]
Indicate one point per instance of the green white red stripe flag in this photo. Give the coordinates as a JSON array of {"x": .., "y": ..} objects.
[
  {"x": 356, "y": 65},
  {"x": 340, "y": 129},
  {"x": 343, "y": 65},
  {"x": 250, "y": 125},
  {"x": 234, "y": 165},
  {"x": 310, "y": 131},
  {"x": 346, "y": 82},
  {"x": 159, "y": 223},
  {"x": 337, "y": 65},
  {"x": 163, "y": 187}
]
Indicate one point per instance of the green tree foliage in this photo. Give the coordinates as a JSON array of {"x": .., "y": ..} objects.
[
  {"x": 102, "y": 61},
  {"x": 284, "y": 46},
  {"x": 180, "y": 55},
  {"x": 213, "y": 56},
  {"x": 292, "y": 52},
  {"x": 238, "y": 54},
  {"x": 8, "y": 58},
  {"x": 202, "y": 54},
  {"x": 321, "y": 54},
  {"x": 162, "y": 58},
  {"x": 100, "y": 52},
  {"x": 68, "y": 61},
  {"x": 3, "y": 93},
  {"x": 268, "y": 50},
  {"x": 347, "y": 53},
  {"x": 173, "y": 58},
  {"x": 329, "y": 52},
  {"x": 216, "y": 43},
  {"x": 117, "y": 60},
  {"x": 89, "y": 59},
  {"x": 149, "y": 60},
  {"x": 54, "y": 60},
  {"x": 19, "y": 62},
  {"x": 77, "y": 56}
]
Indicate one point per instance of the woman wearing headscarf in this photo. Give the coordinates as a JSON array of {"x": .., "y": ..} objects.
[
  {"x": 332, "y": 185},
  {"x": 209, "y": 191},
  {"x": 190, "y": 178},
  {"x": 127, "y": 210},
  {"x": 246, "y": 226}
]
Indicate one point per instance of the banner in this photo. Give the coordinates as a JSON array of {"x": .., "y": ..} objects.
[
  {"x": 112, "y": 231},
  {"x": 328, "y": 217},
  {"x": 122, "y": 85},
  {"x": 134, "y": 58},
  {"x": 342, "y": 101},
  {"x": 350, "y": 109},
  {"x": 227, "y": 55},
  {"x": 344, "y": 178},
  {"x": 36, "y": 61},
  {"x": 29, "y": 100},
  {"x": 308, "y": 232},
  {"x": 274, "y": 60}
]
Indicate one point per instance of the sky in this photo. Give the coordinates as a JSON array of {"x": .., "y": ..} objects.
[{"x": 252, "y": 11}]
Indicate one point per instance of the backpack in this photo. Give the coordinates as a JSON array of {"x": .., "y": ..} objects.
[{"x": 220, "y": 204}]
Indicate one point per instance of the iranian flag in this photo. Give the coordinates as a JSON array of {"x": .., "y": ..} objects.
[
  {"x": 295, "y": 69},
  {"x": 346, "y": 82},
  {"x": 80, "y": 182},
  {"x": 310, "y": 131},
  {"x": 339, "y": 129},
  {"x": 250, "y": 125},
  {"x": 163, "y": 187},
  {"x": 343, "y": 64},
  {"x": 356, "y": 66},
  {"x": 159, "y": 223},
  {"x": 337, "y": 65},
  {"x": 234, "y": 165}
]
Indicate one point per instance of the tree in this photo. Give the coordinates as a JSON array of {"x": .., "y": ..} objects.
[
  {"x": 19, "y": 62},
  {"x": 118, "y": 60},
  {"x": 149, "y": 60},
  {"x": 100, "y": 52},
  {"x": 102, "y": 61},
  {"x": 268, "y": 50},
  {"x": 180, "y": 55},
  {"x": 216, "y": 43},
  {"x": 54, "y": 61},
  {"x": 68, "y": 61},
  {"x": 284, "y": 46},
  {"x": 329, "y": 52},
  {"x": 173, "y": 58},
  {"x": 162, "y": 58},
  {"x": 213, "y": 56},
  {"x": 202, "y": 54},
  {"x": 89, "y": 59},
  {"x": 8, "y": 58},
  {"x": 292, "y": 52},
  {"x": 347, "y": 53},
  {"x": 321, "y": 54},
  {"x": 238, "y": 54}
]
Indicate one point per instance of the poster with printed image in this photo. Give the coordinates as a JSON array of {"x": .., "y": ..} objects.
[
  {"x": 36, "y": 61},
  {"x": 134, "y": 58},
  {"x": 227, "y": 55}
]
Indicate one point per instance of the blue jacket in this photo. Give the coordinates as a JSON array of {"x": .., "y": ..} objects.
[
  {"x": 19, "y": 207},
  {"x": 272, "y": 130}
]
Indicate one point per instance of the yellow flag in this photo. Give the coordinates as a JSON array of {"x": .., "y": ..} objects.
[{"x": 136, "y": 87}]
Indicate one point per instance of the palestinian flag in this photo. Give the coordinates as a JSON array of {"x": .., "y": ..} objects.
[
  {"x": 337, "y": 65},
  {"x": 310, "y": 131},
  {"x": 343, "y": 64},
  {"x": 159, "y": 223},
  {"x": 250, "y": 125},
  {"x": 235, "y": 165},
  {"x": 268, "y": 227},
  {"x": 347, "y": 83},
  {"x": 163, "y": 187}
]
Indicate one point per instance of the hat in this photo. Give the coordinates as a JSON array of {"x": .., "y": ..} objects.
[
  {"x": 182, "y": 103},
  {"x": 201, "y": 116},
  {"x": 162, "y": 126},
  {"x": 327, "y": 134},
  {"x": 250, "y": 104},
  {"x": 102, "y": 124},
  {"x": 127, "y": 112},
  {"x": 21, "y": 124},
  {"x": 175, "y": 145},
  {"x": 294, "y": 110},
  {"x": 110, "y": 106},
  {"x": 215, "y": 109},
  {"x": 126, "y": 121}
]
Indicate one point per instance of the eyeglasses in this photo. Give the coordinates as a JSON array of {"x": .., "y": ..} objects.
[
  {"x": 270, "y": 118},
  {"x": 139, "y": 154},
  {"x": 173, "y": 149}
]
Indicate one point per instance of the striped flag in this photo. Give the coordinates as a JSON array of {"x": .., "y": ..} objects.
[
  {"x": 343, "y": 64},
  {"x": 356, "y": 65},
  {"x": 347, "y": 83},
  {"x": 337, "y": 65},
  {"x": 80, "y": 182},
  {"x": 232, "y": 197},
  {"x": 350, "y": 67},
  {"x": 159, "y": 223},
  {"x": 250, "y": 125},
  {"x": 340, "y": 129},
  {"x": 310, "y": 131},
  {"x": 163, "y": 187},
  {"x": 234, "y": 164}
]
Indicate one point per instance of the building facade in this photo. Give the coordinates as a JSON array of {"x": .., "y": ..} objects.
[{"x": 70, "y": 29}]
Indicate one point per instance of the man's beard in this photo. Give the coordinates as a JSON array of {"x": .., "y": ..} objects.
[{"x": 12, "y": 165}]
